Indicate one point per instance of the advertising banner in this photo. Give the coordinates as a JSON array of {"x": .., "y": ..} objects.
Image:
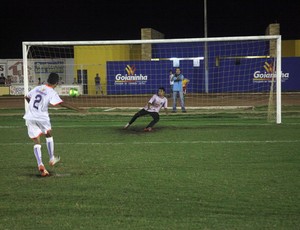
[
  {"x": 139, "y": 77},
  {"x": 251, "y": 75},
  {"x": 62, "y": 90}
]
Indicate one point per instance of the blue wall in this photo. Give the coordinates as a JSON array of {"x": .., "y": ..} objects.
[{"x": 229, "y": 76}]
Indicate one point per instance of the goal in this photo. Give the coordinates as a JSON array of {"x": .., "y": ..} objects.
[{"x": 237, "y": 76}]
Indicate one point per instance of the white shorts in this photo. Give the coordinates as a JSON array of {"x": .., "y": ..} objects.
[{"x": 37, "y": 128}]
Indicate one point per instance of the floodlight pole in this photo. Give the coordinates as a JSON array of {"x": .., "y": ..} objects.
[{"x": 205, "y": 48}]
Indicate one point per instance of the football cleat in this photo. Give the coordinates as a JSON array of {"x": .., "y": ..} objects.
[
  {"x": 54, "y": 161},
  {"x": 43, "y": 171},
  {"x": 149, "y": 129},
  {"x": 126, "y": 126}
]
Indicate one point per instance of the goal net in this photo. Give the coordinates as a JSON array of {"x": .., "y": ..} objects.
[{"x": 238, "y": 76}]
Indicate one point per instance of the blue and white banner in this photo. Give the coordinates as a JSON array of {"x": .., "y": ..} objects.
[
  {"x": 139, "y": 77},
  {"x": 252, "y": 75}
]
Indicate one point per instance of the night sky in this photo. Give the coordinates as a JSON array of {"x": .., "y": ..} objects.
[{"x": 65, "y": 20}]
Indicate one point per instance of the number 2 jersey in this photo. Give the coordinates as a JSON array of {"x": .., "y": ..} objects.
[{"x": 40, "y": 98}]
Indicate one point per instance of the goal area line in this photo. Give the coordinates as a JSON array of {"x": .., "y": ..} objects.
[{"x": 189, "y": 108}]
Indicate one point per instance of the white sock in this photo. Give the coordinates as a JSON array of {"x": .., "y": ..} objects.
[
  {"x": 38, "y": 154},
  {"x": 50, "y": 147}
]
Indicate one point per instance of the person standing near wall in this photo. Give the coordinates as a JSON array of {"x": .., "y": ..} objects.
[
  {"x": 2, "y": 79},
  {"x": 98, "y": 84},
  {"x": 177, "y": 89},
  {"x": 171, "y": 82}
]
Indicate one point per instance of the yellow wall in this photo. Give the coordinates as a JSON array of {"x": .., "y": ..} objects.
[
  {"x": 4, "y": 90},
  {"x": 94, "y": 58},
  {"x": 291, "y": 48}
]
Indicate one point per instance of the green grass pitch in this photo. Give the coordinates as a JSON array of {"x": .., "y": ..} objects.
[{"x": 191, "y": 172}]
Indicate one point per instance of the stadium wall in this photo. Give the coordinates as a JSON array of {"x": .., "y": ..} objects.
[{"x": 109, "y": 61}]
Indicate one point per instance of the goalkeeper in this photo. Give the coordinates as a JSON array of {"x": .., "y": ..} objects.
[{"x": 152, "y": 108}]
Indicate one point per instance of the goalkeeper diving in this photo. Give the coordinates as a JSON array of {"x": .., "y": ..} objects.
[{"x": 156, "y": 102}]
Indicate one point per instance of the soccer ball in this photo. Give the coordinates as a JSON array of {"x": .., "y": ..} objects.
[{"x": 74, "y": 93}]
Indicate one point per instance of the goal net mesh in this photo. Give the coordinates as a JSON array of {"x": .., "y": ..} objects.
[{"x": 221, "y": 76}]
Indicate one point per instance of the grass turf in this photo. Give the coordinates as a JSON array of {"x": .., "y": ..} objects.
[{"x": 192, "y": 172}]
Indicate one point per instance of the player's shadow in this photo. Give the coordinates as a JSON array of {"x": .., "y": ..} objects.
[
  {"x": 35, "y": 174},
  {"x": 139, "y": 130}
]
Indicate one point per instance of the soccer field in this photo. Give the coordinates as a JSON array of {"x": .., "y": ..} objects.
[{"x": 191, "y": 172}]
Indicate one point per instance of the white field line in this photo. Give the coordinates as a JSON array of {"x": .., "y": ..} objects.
[
  {"x": 121, "y": 126},
  {"x": 110, "y": 109},
  {"x": 165, "y": 142}
]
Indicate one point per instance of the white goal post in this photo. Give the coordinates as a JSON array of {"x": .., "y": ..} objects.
[{"x": 242, "y": 71}]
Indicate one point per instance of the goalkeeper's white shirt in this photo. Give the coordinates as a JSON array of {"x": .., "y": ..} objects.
[
  {"x": 156, "y": 103},
  {"x": 40, "y": 98}
]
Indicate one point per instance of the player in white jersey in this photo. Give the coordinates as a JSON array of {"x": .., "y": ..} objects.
[
  {"x": 38, "y": 120},
  {"x": 153, "y": 107}
]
